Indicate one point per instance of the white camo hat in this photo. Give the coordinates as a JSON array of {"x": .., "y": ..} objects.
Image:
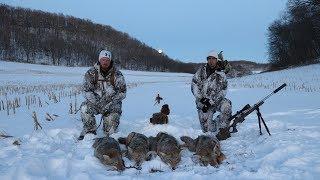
[
  {"x": 213, "y": 54},
  {"x": 105, "y": 53}
]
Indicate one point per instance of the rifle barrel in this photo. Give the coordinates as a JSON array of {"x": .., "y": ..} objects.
[
  {"x": 275, "y": 91},
  {"x": 279, "y": 88}
]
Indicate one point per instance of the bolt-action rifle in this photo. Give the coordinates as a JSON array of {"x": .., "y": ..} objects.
[{"x": 240, "y": 116}]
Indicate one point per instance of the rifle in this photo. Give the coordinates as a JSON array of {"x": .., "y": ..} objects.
[{"x": 240, "y": 116}]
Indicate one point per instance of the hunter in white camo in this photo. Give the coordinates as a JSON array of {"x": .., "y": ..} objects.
[
  {"x": 104, "y": 92},
  {"x": 210, "y": 84}
]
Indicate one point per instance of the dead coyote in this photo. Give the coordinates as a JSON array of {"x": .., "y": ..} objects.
[
  {"x": 207, "y": 149},
  {"x": 167, "y": 148},
  {"x": 137, "y": 148},
  {"x": 107, "y": 150}
]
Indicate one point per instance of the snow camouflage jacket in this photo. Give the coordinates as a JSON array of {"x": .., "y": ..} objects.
[
  {"x": 104, "y": 94},
  {"x": 213, "y": 87}
]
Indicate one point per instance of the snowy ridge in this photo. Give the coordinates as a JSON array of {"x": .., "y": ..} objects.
[
  {"x": 292, "y": 115},
  {"x": 306, "y": 78}
]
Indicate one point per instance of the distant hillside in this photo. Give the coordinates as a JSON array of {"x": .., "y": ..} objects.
[
  {"x": 55, "y": 39},
  {"x": 242, "y": 67},
  {"x": 251, "y": 65}
]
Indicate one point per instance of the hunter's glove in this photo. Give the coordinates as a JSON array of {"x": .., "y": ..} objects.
[
  {"x": 227, "y": 67},
  {"x": 206, "y": 102},
  {"x": 224, "y": 66},
  {"x": 205, "y": 109}
]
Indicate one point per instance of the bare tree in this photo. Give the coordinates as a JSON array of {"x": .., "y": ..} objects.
[{"x": 294, "y": 38}]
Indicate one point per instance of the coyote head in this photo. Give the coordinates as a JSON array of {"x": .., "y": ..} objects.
[
  {"x": 113, "y": 158},
  {"x": 209, "y": 151}
]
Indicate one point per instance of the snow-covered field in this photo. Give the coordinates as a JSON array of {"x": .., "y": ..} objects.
[{"x": 292, "y": 115}]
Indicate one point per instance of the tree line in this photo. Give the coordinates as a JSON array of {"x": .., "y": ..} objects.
[
  {"x": 294, "y": 39},
  {"x": 39, "y": 37}
]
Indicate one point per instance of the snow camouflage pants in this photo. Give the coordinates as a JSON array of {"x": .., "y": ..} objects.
[
  {"x": 110, "y": 120},
  {"x": 206, "y": 119}
]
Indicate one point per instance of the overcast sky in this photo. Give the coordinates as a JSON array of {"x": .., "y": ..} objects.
[{"x": 184, "y": 29}]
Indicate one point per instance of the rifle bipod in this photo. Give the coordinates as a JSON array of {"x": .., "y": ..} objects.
[{"x": 260, "y": 119}]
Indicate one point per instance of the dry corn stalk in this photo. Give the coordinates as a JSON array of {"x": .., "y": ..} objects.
[
  {"x": 71, "y": 109},
  {"x": 3, "y": 134},
  {"x": 48, "y": 117},
  {"x": 35, "y": 121},
  {"x": 17, "y": 142}
]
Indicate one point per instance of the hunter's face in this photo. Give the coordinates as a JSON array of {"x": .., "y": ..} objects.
[
  {"x": 105, "y": 62},
  {"x": 212, "y": 61}
]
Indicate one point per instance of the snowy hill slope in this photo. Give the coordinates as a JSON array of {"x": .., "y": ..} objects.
[
  {"x": 292, "y": 152},
  {"x": 306, "y": 78}
]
